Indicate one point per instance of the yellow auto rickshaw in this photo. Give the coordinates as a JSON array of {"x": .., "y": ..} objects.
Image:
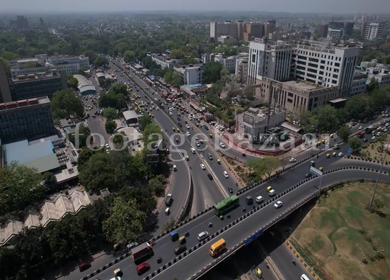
[
  {"x": 269, "y": 188},
  {"x": 117, "y": 272},
  {"x": 211, "y": 135},
  {"x": 182, "y": 240},
  {"x": 259, "y": 273},
  {"x": 187, "y": 158}
]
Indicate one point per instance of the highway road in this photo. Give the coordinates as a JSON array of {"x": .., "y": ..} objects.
[{"x": 206, "y": 192}]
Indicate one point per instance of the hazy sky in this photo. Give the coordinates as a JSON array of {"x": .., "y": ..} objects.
[{"x": 319, "y": 6}]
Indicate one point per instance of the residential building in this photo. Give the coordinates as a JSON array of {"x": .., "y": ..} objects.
[
  {"x": 228, "y": 62},
  {"x": 34, "y": 86},
  {"x": 323, "y": 30},
  {"x": 316, "y": 62},
  {"x": 192, "y": 74},
  {"x": 255, "y": 122},
  {"x": 242, "y": 69},
  {"x": 372, "y": 30},
  {"x": 294, "y": 96},
  {"x": 206, "y": 57},
  {"x": 26, "y": 119},
  {"x": 269, "y": 60},
  {"x": 348, "y": 27},
  {"x": 335, "y": 35}
]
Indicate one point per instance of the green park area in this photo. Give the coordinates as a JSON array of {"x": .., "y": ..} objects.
[{"x": 342, "y": 238}]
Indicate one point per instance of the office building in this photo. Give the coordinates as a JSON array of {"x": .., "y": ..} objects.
[
  {"x": 26, "y": 119},
  {"x": 358, "y": 86},
  {"x": 348, "y": 27},
  {"x": 336, "y": 24},
  {"x": 227, "y": 28},
  {"x": 269, "y": 60},
  {"x": 43, "y": 63},
  {"x": 294, "y": 96},
  {"x": 269, "y": 28},
  {"x": 315, "y": 62},
  {"x": 323, "y": 30},
  {"x": 335, "y": 35},
  {"x": 228, "y": 62},
  {"x": 248, "y": 31},
  {"x": 373, "y": 30}
]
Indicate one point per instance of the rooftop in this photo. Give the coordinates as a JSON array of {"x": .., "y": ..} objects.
[
  {"x": 130, "y": 115},
  {"x": 302, "y": 85}
]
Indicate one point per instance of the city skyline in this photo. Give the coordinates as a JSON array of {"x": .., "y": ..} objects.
[{"x": 300, "y": 6}]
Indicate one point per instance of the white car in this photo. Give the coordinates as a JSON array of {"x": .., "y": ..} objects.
[
  {"x": 259, "y": 199},
  {"x": 174, "y": 168},
  {"x": 197, "y": 144},
  {"x": 292, "y": 159},
  {"x": 192, "y": 150},
  {"x": 340, "y": 154},
  {"x": 360, "y": 127},
  {"x": 188, "y": 126},
  {"x": 225, "y": 174},
  {"x": 202, "y": 166},
  {"x": 170, "y": 113},
  {"x": 271, "y": 192},
  {"x": 378, "y": 134},
  {"x": 188, "y": 134},
  {"x": 278, "y": 204},
  {"x": 373, "y": 138},
  {"x": 222, "y": 145},
  {"x": 107, "y": 146}
]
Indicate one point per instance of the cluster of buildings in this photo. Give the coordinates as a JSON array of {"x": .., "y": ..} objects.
[
  {"x": 43, "y": 63},
  {"x": 240, "y": 30}
]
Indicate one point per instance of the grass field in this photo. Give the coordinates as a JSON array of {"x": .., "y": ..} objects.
[{"x": 346, "y": 240}]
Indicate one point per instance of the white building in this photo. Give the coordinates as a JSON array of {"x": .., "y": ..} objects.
[
  {"x": 163, "y": 61},
  {"x": 191, "y": 74},
  {"x": 228, "y": 62},
  {"x": 206, "y": 57},
  {"x": 320, "y": 64},
  {"x": 69, "y": 64},
  {"x": 372, "y": 30}
]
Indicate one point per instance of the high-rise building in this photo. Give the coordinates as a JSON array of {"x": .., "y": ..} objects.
[
  {"x": 26, "y": 119},
  {"x": 5, "y": 94},
  {"x": 348, "y": 28},
  {"x": 372, "y": 30},
  {"x": 269, "y": 28},
  {"x": 269, "y": 60},
  {"x": 335, "y": 34},
  {"x": 315, "y": 62},
  {"x": 22, "y": 22},
  {"x": 227, "y": 28},
  {"x": 336, "y": 24},
  {"x": 252, "y": 30}
]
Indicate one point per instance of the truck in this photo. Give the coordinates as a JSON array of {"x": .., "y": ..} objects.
[{"x": 142, "y": 251}]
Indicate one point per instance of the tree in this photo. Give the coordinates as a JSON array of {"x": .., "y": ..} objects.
[
  {"x": 91, "y": 55},
  {"x": 9, "y": 55},
  {"x": 80, "y": 136},
  {"x": 125, "y": 222},
  {"x": 49, "y": 179},
  {"x": 264, "y": 166},
  {"x": 216, "y": 89},
  {"x": 84, "y": 155},
  {"x": 145, "y": 120},
  {"x": 19, "y": 187},
  {"x": 72, "y": 81},
  {"x": 100, "y": 61},
  {"x": 110, "y": 114},
  {"x": 344, "y": 132},
  {"x": 358, "y": 107},
  {"x": 129, "y": 56},
  {"x": 106, "y": 83},
  {"x": 173, "y": 77},
  {"x": 355, "y": 143},
  {"x": 224, "y": 72},
  {"x": 119, "y": 88},
  {"x": 327, "y": 118},
  {"x": 110, "y": 127},
  {"x": 212, "y": 72},
  {"x": 65, "y": 104},
  {"x": 31, "y": 64},
  {"x": 372, "y": 85}
]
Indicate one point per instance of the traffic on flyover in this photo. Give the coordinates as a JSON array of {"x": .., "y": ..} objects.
[{"x": 191, "y": 263}]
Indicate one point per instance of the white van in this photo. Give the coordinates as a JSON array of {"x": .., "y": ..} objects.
[
  {"x": 203, "y": 235},
  {"x": 304, "y": 277}
]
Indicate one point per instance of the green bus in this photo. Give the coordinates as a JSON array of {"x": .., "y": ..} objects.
[{"x": 226, "y": 205}]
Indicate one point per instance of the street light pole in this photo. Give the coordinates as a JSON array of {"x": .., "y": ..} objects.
[{"x": 377, "y": 181}]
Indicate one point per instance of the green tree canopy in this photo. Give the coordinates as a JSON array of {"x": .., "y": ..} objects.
[
  {"x": 212, "y": 72},
  {"x": 19, "y": 187},
  {"x": 173, "y": 77},
  {"x": 355, "y": 143},
  {"x": 101, "y": 61},
  {"x": 145, "y": 120},
  {"x": 110, "y": 113},
  {"x": 65, "y": 103},
  {"x": 129, "y": 56},
  {"x": 125, "y": 222},
  {"x": 110, "y": 127},
  {"x": 265, "y": 166},
  {"x": 72, "y": 81},
  {"x": 81, "y": 135},
  {"x": 344, "y": 132},
  {"x": 373, "y": 85}
]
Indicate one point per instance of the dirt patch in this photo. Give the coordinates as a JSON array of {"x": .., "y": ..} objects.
[
  {"x": 343, "y": 238},
  {"x": 374, "y": 151},
  {"x": 240, "y": 170}
]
